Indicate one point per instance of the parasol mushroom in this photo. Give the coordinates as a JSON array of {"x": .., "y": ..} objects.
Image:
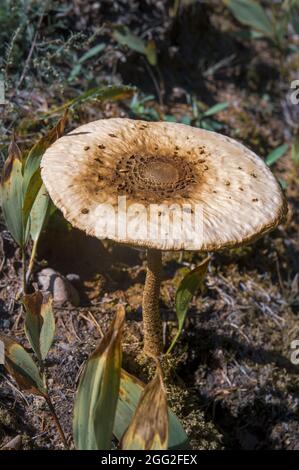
[{"x": 161, "y": 186}]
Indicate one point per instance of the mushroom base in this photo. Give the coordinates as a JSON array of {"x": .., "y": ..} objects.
[{"x": 152, "y": 323}]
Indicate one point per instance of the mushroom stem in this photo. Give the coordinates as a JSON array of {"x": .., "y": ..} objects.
[{"x": 152, "y": 324}]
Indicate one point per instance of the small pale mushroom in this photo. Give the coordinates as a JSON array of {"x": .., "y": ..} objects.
[{"x": 161, "y": 186}]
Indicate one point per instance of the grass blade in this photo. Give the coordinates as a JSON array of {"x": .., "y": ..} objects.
[
  {"x": 215, "y": 109},
  {"x": 115, "y": 93},
  {"x": 276, "y": 154}
]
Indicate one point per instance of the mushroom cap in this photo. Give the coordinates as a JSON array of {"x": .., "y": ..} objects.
[{"x": 162, "y": 185}]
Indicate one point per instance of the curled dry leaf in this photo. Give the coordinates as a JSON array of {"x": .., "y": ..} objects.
[
  {"x": 149, "y": 427},
  {"x": 22, "y": 367},
  {"x": 97, "y": 394},
  {"x": 130, "y": 392},
  {"x": 39, "y": 322}
]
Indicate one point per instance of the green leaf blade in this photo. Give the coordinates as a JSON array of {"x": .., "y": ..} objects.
[
  {"x": 32, "y": 163},
  {"x": 217, "y": 108},
  {"x": 21, "y": 366},
  {"x": 252, "y": 14},
  {"x": 30, "y": 195},
  {"x": 39, "y": 322},
  {"x": 96, "y": 399},
  {"x": 39, "y": 213},
  {"x": 11, "y": 191},
  {"x": 276, "y": 154},
  {"x": 186, "y": 290}
]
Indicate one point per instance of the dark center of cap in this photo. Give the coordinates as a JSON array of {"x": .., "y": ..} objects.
[
  {"x": 161, "y": 172},
  {"x": 153, "y": 178}
]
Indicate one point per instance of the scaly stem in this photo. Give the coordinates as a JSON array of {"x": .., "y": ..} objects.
[
  {"x": 152, "y": 324},
  {"x": 55, "y": 417}
]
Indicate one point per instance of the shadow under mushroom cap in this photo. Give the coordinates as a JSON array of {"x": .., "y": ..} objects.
[{"x": 162, "y": 185}]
